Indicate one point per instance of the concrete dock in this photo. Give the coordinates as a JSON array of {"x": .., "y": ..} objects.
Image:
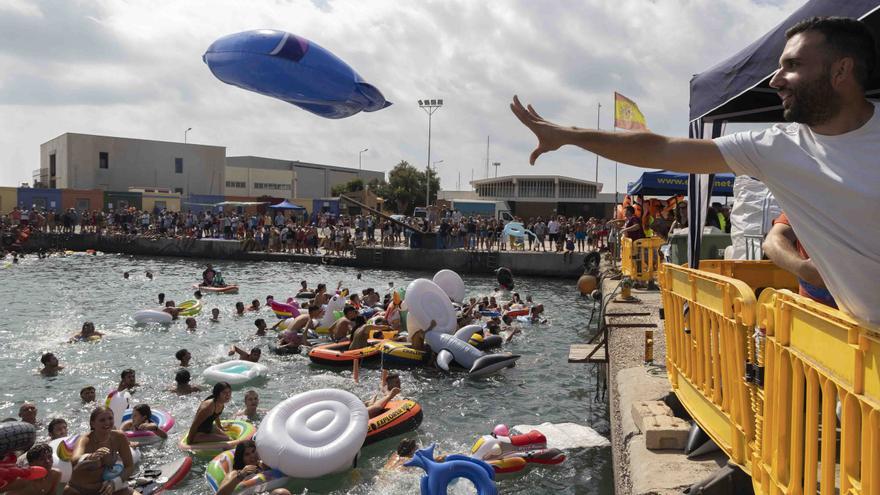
[
  {"x": 639, "y": 470},
  {"x": 522, "y": 263}
]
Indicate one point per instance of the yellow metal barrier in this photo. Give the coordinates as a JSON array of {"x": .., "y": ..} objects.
[
  {"x": 822, "y": 376},
  {"x": 759, "y": 275},
  {"x": 640, "y": 259},
  {"x": 709, "y": 322},
  {"x": 787, "y": 387}
]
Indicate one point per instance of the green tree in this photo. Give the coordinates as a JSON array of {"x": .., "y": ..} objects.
[
  {"x": 405, "y": 189},
  {"x": 350, "y": 186}
]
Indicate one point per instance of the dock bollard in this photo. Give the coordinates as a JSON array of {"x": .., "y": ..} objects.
[{"x": 649, "y": 346}]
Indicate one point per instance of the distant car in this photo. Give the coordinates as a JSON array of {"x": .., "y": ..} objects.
[
  {"x": 420, "y": 212},
  {"x": 399, "y": 218}
]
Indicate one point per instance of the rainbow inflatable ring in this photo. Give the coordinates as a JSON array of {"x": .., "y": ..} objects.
[
  {"x": 163, "y": 419},
  {"x": 221, "y": 466}
]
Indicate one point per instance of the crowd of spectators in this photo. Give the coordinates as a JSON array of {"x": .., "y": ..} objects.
[{"x": 327, "y": 234}]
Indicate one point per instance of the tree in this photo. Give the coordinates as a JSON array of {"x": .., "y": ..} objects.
[
  {"x": 350, "y": 186},
  {"x": 405, "y": 189}
]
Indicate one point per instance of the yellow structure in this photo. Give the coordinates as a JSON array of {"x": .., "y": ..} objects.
[
  {"x": 8, "y": 199},
  {"x": 154, "y": 198},
  {"x": 778, "y": 381},
  {"x": 640, "y": 259}
]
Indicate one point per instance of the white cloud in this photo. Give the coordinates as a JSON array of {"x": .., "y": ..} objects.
[{"x": 134, "y": 69}]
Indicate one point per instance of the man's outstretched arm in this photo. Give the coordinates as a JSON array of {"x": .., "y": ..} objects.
[{"x": 642, "y": 149}]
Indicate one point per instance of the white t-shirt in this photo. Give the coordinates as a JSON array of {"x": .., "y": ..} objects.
[{"x": 829, "y": 187}]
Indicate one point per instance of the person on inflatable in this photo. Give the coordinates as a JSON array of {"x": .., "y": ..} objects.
[
  {"x": 206, "y": 426},
  {"x": 40, "y": 455},
  {"x": 246, "y": 462},
  {"x": 417, "y": 337},
  {"x": 208, "y": 275},
  {"x": 96, "y": 451},
  {"x": 294, "y": 336},
  {"x": 140, "y": 421},
  {"x": 86, "y": 333},
  {"x": 389, "y": 388}
]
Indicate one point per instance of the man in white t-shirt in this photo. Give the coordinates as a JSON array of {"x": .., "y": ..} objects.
[{"x": 823, "y": 168}]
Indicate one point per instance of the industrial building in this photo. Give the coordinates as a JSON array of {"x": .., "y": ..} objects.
[
  {"x": 544, "y": 195},
  {"x": 253, "y": 176}
]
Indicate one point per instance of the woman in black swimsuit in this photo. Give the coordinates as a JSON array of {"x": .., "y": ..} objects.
[{"x": 206, "y": 425}]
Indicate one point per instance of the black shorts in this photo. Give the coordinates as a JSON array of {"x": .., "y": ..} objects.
[{"x": 553, "y": 237}]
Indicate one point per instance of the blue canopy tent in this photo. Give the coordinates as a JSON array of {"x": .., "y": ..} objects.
[
  {"x": 287, "y": 205},
  {"x": 665, "y": 183},
  {"x": 738, "y": 90}
]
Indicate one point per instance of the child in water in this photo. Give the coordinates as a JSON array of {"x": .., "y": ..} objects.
[{"x": 140, "y": 421}]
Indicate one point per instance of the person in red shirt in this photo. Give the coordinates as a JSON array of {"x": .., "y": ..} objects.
[{"x": 783, "y": 248}]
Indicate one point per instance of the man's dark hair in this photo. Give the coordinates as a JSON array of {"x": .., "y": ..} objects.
[
  {"x": 259, "y": 321},
  {"x": 38, "y": 451},
  {"x": 845, "y": 37},
  {"x": 179, "y": 354},
  {"x": 347, "y": 308},
  {"x": 55, "y": 422},
  {"x": 182, "y": 376},
  {"x": 630, "y": 209},
  {"x": 126, "y": 372},
  {"x": 45, "y": 357},
  {"x": 314, "y": 307}
]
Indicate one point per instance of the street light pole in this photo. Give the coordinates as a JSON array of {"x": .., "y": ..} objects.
[
  {"x": 598, "y": 113},
  {"x": 429, "y": 106},
  {"x": 496, "y": 165},
  {"x": 360, "y": 153},
  {"x": 184, "y": 134}
]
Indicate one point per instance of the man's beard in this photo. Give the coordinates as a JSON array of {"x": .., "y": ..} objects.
[{"x": 813, "y": 103}]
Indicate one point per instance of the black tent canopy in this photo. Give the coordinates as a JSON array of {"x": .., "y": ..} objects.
[{"x": 737, "y": 89}]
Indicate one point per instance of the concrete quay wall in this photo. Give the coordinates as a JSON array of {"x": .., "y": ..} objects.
[{"x": 552, "y": 265}]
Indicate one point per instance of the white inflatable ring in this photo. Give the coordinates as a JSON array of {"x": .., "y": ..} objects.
[
  {"x": 314, "y": 433},
  {"x": 152, "y": 316},
  {"x": 451, "y": 283},
  {"x": 426, "y": 301},
  {"x": 235, "y": 372}
]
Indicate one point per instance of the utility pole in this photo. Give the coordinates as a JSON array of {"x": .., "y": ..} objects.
[
  {"x": 598, "y": 112},
  {"x": 429, "y": 106},
  {"x": 487, "y": 157}
]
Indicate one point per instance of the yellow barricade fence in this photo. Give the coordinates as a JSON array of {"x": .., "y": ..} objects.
[
  {"x": 787, "y": 387},
  {"x": 820, "y": 427},
  {"x": 709, "y": 322},
  {"x": 640, "y": 259}
]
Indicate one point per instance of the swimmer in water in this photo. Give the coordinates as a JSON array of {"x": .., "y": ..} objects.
[
  {"x": 183, "y": 356},
  {"x": 141, "y": 421},
  {"x": 215, "y": 315},
  {"x": 28, "y": 413},
  {"x": 239, "y": 308},
  {"x": 198, "y": 295},
  {"x": 251, "y": 409},
  {"x": 191, "y": 324},
  {"x": 149, "y": 275},
  {"x": 96, "y": 451},
  {"x": 261, "y": 327},
  {"x": 206, "y": 426},
  {"x": 87, "y": 394},
  {"x": 405, "y": 450},
  {"x": 253, "y": 356},
  {"x": 181, "y": 383},
  {"x": 128, "y": 381},
  {"x": 125, "y": 275},
  {"x": 255, "y": 305},
  {"x": 50, "y": 365},
  {"x": 87, "y": 333},
  {"x": 39, "y": 455},
  {"x": 161, "y": 298},
  {"x": 171, "y": 309},
  {"x": 57, "y": 428}
]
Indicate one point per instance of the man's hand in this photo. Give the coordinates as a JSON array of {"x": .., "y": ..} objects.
[{"x": 550, "y": 135}]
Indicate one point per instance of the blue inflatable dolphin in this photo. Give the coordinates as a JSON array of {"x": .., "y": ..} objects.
[
  {"x": 293, "y": 69},
  {"x": 438, "y": 475}
]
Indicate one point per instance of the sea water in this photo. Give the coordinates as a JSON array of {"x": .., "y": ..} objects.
[{"x": 44, "y": 302}]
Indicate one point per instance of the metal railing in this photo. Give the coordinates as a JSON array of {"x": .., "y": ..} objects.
[{"x": 787, "y": 387}]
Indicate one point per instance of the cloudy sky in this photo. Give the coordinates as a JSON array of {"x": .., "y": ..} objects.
[{"x": 134, "y": 69}]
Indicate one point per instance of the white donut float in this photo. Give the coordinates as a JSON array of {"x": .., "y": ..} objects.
[
  {"x": 152, "y": 316},
  {"x": 313, "y": 433},
  {"x": 235, "y": 372},
  {"x": 426, "y": 301},
  {"x": 451, "y": 283}
]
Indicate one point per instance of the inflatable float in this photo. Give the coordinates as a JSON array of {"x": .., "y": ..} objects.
[
  {"x": 439, "y": 475},
  {"x": 226, "y": 289},
  {"x": 221, "y": 466},
  {"x": 62, "y": 453},
  {"x": 165, "y": 477},
  {"x": 451, "y": 283},
  {"x": 336, "y": 303},
  {"x": 314, "y": 433},
  {"x": 16, "y": 436},
  {"x": 118, "y": 402},
  {"x": 190, "y": 308},
  {"x": 401, "y": 354},
  {"x": 425, "y": 301},
  {"x": 476, "y": 362},
  {"x": 517, "y": 310},
  {"x": 9, "y": 472},
  {"x": 399, "y": 417},
  {"x": 283, "y": 311},
  {"x": 338, "y": 354},
  {"x": 510, "y": 453},
  {"x": 152, "y": 316},
  {"x": 163, "y": 419},
  {"x": 238, "y": 430},
  {"x": 235, "y": 372}
]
